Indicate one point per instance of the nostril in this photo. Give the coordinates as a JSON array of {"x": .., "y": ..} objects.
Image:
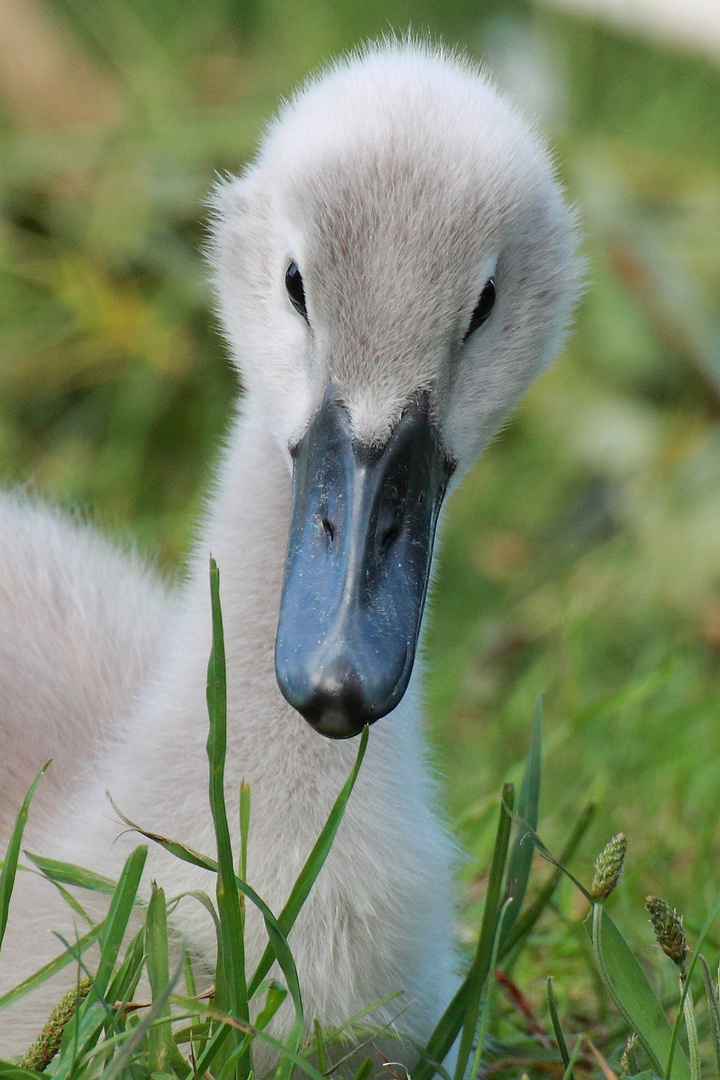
[
  {"x": 390, "y": 534},
  {"x": 328, "y": 529}
]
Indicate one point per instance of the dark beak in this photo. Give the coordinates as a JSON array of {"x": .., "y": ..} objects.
[{"x": 358, "y": 562}]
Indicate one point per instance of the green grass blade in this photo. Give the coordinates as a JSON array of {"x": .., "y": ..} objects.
[
  {"x": 160, "y": 1040},
  {"x": 690, "y": 966},
  {"x": 228, "y": 898},
  {"x": 559, "y": 1037},
  {"x": 313, "y": 865},
  {"x": 9, "y": 866},
  {"x": 244, "y": 827},
  {"x": 487, "y": 1000},
  {"x": 27, "y": 986},
  {"x": 365, "y": 1070},
  {"x": 627, "y": 985},
  {"x": 130, "y": 972},
  {"x": 521, "y": 856},
  {"x": 134, "y": 1040},
  {"x": 568, "y": 1074},
  {"x": 117, "y": 919},
  {"x": 481, "y": 963},
  {"x": 459, "y": 1013},
  {"x": 9, "y": 1071},
  {"x": 320, "y": 1053},
  {"x": 692, "y": 1035},
  {"x": 69, "y": 874},
  {"x": 713, "y": 1011},
  {"x": 525, "y": 924}
]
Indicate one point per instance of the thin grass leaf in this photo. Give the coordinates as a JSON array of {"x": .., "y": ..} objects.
[
  {"x": 628, "y": 987},
  {"x": 481, "y": 963},
  {"x": 27, "y": 986},
  {"x": 118, "y": 916},
  {"x": 232, "y": 955},
  {"x": 68, "y": 874},
  {"x": 690, "y": 968},
  {"x": 296, "y": 1059},
  {"x": 244, "y": 827},
  {"x": 692, "y": 1035},
  {"x": 9, "y": 866},
  {"x": 488, "y": 998},
  {"x": 557, "y": 1029},
  {"x": 319, "y": 1045},
  {"x": 126, "y": 980},
  {"x": 365, "y": 1070},
  {"x": 713, "y": 1011},
  {"x": 521, "y": 856},
  {"x": 313, "y": 865},
  {"x": 9, "y": 1071},
  {"x": 466, "y": 1002},
  {"x": 86, "y": 1026},
  {"x": 574, "y": 1056},
  {"x": 525, "y": 924},
  {"x": 160, "y": 1040},
  {"x": 134, "y": 1039}
]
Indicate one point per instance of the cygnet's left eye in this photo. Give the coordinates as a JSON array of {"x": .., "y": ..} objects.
[
  {"x": 483, "y": 307},
  {"x": 296, "y": 290}
]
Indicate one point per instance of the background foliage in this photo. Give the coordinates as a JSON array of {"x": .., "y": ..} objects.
[{"x": 582, "y": 557}]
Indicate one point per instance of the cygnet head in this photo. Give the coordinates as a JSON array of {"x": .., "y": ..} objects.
[{"x": 392, "y": 271}]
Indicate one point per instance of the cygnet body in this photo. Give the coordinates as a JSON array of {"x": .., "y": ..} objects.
[{"x": 391, "y": 272}]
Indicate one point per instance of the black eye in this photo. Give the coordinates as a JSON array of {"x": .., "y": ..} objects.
[
  {"x": 296, "y": 290},
  {"x": 483, "y": 308}
]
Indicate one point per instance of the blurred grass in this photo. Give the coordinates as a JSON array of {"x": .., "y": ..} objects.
[{"x": 582, "y": 556}]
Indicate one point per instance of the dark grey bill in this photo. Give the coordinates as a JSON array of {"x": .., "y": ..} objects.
[{"x": 358, "y": 562}]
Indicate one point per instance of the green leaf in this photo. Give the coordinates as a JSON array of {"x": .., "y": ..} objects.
[
  {"x": 462, "y": 1011},
  {"x": 714, "y": 1012},
  {"x": 524, "y": 926},
  {"x": 27, "y": 986},
  {"x": 481, "y": 963},
  {"x": 68, "y": 874},
  {"x": 632, "y": 994},
  {"x": 160, "y": 1040},
  {"x": 365, "y": 1069},
  {"x": 521, "y": 856},
  {"x": 559, "y": 1037},
  {"x": 9, "y": 866},
  {"x": 232, "y": 951},
  {"x": 313, "y": 865}
]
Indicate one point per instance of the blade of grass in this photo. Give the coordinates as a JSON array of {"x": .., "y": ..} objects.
[
  {"x": 714, "y": 1012},
  {"x": 568, "y": 1074},
  {"x": 160, "y": 1040},
  {"x": 521, "y": 856},
  {"x": 488, "y": 997},
  {"x": 459, "y": 1013},
  {"x": 68, "y": 874},
  {"x": 313, "y": 865},
  {"x": 628, "y": 987},
  {"x": 228, "y": 898},
  {"x": 9, "y": 866},
  {"x": 481, "y": 964},
  {"x": 27, "y": 986},
  {"x": 559, "y": 1037},
  {"x": 704, "y": 930},
  {"x": 692, "y": 1035},
  {"x": 524, "y": 926}
]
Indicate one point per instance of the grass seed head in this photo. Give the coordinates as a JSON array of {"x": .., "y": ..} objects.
[
  {"x": 668, "y": 928},
  {"x": 608, "y": 867},
  {"x": 47, "y": 1044}
]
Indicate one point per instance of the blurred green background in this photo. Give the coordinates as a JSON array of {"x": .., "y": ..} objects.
[{"x": 582, "y": 557}]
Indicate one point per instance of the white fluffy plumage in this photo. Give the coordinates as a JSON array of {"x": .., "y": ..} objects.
[{"x": 398, "y": 181}]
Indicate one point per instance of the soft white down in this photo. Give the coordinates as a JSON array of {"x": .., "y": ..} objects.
[{"x": 399, "y": 181}]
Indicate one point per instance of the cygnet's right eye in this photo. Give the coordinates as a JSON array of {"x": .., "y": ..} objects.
[{"x": 296, "y": 290}]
